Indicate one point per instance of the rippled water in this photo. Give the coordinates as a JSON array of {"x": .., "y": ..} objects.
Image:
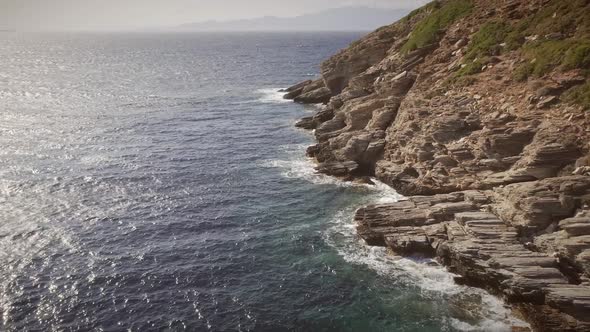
[{"x": 156, "y": 182}]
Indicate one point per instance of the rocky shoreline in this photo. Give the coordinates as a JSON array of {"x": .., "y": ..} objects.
[{"x": 495, "y": 163}]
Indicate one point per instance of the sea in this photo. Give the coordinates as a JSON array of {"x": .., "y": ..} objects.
[{"x": 156, "y": 182}]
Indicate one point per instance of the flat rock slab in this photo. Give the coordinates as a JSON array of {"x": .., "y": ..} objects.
[{"x": 481, "y": 247}]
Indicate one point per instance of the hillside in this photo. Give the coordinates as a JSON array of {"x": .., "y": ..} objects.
[
  {"x": 479, "y": 112},
  {"x": 337, "y": 19}
]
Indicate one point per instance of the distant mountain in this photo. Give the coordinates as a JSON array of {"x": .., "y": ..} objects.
[{"x": 337, "y": 19}]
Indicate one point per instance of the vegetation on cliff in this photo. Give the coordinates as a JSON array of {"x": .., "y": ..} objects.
[
  {"x": 440, "y": 16},
  {"x": 560, "y": 41},
  {"x": 579, "y": 95},
  {"x": 555, "y": 38},
  {"x": 485, "y": 43}
]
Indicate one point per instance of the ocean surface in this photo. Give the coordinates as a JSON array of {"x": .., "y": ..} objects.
[{"x": 155, "y": 182}]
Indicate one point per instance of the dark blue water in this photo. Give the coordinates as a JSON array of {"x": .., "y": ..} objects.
[{"x": 156, "y": 182}]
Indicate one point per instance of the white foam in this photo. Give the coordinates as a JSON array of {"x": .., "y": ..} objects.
[
  {"x": 342, "y": 235},
  {"x": 432, "y": 280},
  {"x": 385, "y": 194},
  {"x": 272, "y": 96},
  {"x": 303, "y": 169},
  {"x": 494, "y": 315},
  {"x": 318, "y": 107},
  {"x": 295, "y": 165}
]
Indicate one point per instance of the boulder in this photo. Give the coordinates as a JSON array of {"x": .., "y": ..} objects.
[
  {"x": 319, "y": 96},
  {"x": 337, "y": 168}
]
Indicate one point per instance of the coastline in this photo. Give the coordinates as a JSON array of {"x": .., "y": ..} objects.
[
  {"x": 497, "y": 188},
  {"x": 422, "y": 272}
]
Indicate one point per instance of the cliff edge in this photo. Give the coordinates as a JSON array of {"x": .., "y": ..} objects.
[{"x": 479, "y": 112}]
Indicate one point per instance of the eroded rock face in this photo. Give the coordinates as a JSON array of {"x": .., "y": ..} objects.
[
  {"x": 309, "y": 92},
  {"x": 488, "y": 252},
  {"x": 497, "y": 170},
  {"x": 538, "y": 206},
  {"x": 355, "y": 62}
]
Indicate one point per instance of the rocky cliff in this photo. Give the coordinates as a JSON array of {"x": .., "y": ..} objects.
[{"x": 478, "y": 112}]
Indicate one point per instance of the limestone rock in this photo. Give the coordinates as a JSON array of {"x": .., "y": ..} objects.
[
  {"x": 497, "y": 171},
  {"x": 481, "y": 247},
  {"x": 295, "y": 90},
  {"x": 318, "y": 96},
  {"x": 337, "y": 168}
]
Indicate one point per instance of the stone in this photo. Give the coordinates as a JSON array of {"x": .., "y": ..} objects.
[
  {"x": 306, "y": 123},
  {"x": 319, "y": 96},
  {"x": 535, "y": 205},
  {"x": 296, "y": 89},
  {"x": 495, "y": 171},
  {"x": 297, "y": 86},
  {"x": 547, "y": 101},
  {"x": 337, "y": 168},
  {"x": 460, "y": 43}
]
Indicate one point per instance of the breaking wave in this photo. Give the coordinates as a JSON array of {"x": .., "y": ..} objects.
[
  {"x": 272, "y": 96},
  {"x": 485, "y": 312}
]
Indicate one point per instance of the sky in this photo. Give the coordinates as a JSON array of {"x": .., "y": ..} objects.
[{"x": 138, "y": 14}]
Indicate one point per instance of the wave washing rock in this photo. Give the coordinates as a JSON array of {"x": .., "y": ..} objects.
[{"x": 477, "y": 110}]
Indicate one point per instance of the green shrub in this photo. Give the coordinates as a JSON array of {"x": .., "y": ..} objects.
[
  {"x": 464, "y": 76},
  {"x": 487, "y": 40},
  {"x": 577, "y": 56},
  {"x": 523, "y": 72},
  {"x": 484, "y": 43},
  {"x": 458, "y": 81},
  {"x": 429, "y": 6},
  {"x": 571, "y": 17},
  {"x": 564, "y": 54},
  {"x": 547, "y": 55},
  {"x": 514, "y": 40},
  {"x": 579, "y": 95},
  {"x": 470, "y": 68},
  {"x": 567, "y": 17},
  {"x": 427, "y": 31}
]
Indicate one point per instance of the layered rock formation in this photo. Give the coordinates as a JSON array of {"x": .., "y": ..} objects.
[{"x": 477, "y": 111}]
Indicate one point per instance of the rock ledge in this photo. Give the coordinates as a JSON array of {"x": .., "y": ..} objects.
[{"x": 496, "y": 168}]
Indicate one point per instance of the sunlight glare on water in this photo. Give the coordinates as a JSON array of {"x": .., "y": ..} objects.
[{"x": 156, "y": 182}]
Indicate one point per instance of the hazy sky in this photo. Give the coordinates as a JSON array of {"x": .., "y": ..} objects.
[{"x": 132, "y": 14}]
